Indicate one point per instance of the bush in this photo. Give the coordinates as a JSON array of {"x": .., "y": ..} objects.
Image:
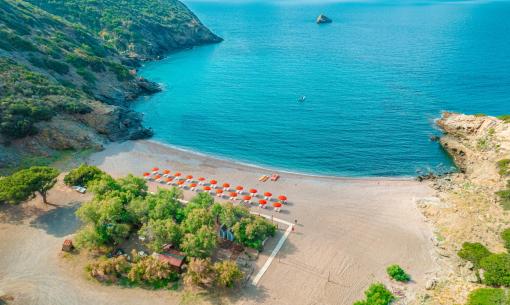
[
  {"x": 75, "y": 108},
  {"x": 496, "y": 269},
  {"x": 86, "y": 75},
  {"x": 505, "y": 235},
  {"x": 488, "y": 296},
  {"x": 473, "y": 252},
  {"x": 228, "y": 274},
  {"x": 152, "y": 272},
  {"x": 397, "y": 273},
  {"x": 377, "y": 294},
  {"x": 82, "y": 175},
  {"x": 109, "y": 270}
]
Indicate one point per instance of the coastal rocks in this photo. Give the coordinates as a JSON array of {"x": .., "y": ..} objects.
[
  {"x": 323, "y": 19},
  {"x": 476, "y": 142}
]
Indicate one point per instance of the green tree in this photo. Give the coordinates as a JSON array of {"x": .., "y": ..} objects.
[
  {"x": 196, "y": 219},
  {"x": 200, "y": 244},
  {"x": 164, "y": 205},
  {"x": 23, "y": 184},
  {"x": 496, "y": 269},
  {"x": 228, "y": 274},
  {"x": 160, "y": 232},
  {"x": 82, "y": 175},
  {"x": 252, "y": 231}
]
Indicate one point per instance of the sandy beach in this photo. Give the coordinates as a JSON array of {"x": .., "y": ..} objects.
[{"x": 348, "y": 232}]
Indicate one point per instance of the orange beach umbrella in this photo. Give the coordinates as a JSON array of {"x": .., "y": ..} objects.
[
  {"x": 177, "y": 174},
  {"x": 239, "y": 188},
  {"x": 166, "y": 171},
  {"x": 157, "y": 177},
  {"x": 262, "y": 201},
  {"x": 189, "y": 177},
  {"x": 253, "y": 192},
  {"x": 277, "y": 205},
  {"x": 168, "y": 180},
  {"x": 193, "y": 185},
  {"x": 207, "y": 188},
  {"x": 268, "y": 195},
  {"x": 246, "y": 198},
  {"x": 201, "y": 180},
  {"x": 282, "y": 198},
  {"x": 146, "y": 174},
  {"x": 219, "y": 192},
  {"x": 155, "y": 169},
  {"x": 213, "y": 182},
  {"x": 233, "y": 194}
]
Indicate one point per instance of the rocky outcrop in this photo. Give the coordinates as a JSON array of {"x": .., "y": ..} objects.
[
  {"x": 323, "y": 19},
  {"x": 476, "y": 143},
  {"x": 466, "y": 208}
]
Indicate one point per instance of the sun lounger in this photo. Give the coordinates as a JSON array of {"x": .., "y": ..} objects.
[
  {"x": 275, "y": 177},
  {"x": 263, "y": 178}
]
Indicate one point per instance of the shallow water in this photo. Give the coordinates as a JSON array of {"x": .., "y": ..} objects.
[{"x": 374, "y": 81}]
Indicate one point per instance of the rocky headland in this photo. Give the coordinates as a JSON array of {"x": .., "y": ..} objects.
[
  {"x": 469, "y": 208},
  {"x": 68, "y": 78}
]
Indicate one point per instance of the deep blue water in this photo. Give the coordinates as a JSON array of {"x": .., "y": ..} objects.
[{"x": 375, "y": 79}]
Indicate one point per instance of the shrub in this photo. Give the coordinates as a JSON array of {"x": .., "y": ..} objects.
[
  {"x": 200, "y": 273},
  {"x": 109, "y": 270},
  {"x": 152, "y": 272},
  {"x": 228, "y": 274},
  {"x": 496, "y": 269},
  {"x": 75, "y": 107},
  {"x": 397, "y": 273},
  {"x": 488, "y": 296},
  {"x": 473, "y": 252},
  {"x": 505, "y": 235},
  {"x": 86, "y": 75},
  {"x": 504, "y": 167},
  {"x": 377, "y": 294},
  {"x": 82, "y": 175}
]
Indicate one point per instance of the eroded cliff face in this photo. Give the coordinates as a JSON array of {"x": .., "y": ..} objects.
[{"x": 468, "y": 210}]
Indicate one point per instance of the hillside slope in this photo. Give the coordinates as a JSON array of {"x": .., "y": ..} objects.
[
  {"x": 64, "y": 86},
  {"x": 136, "y": 28}
]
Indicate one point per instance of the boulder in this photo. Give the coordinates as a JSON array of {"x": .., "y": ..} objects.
[{"x": 323, "y": 19}]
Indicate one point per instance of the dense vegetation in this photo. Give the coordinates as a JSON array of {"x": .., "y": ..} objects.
[
  {"x": 134, "y": 27},
  {"x": 504, "y": 167},
  {"x": 397, "y": 273},
  {"x": 377, "y": 294},
  {"x": 473, "y": 252},
  {"x": 27, "y": 97},
  {"x": 23, "y": 185},
  {"x": 122, "y": 207}
]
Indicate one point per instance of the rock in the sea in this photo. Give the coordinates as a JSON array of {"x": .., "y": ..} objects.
[{"x": 323, "y": 19}]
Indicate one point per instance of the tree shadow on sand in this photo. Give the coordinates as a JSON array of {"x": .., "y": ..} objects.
[{"x": 58, "y": 222}]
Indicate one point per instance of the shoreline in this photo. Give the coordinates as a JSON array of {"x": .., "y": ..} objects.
[{"x": 236, "y": 163}]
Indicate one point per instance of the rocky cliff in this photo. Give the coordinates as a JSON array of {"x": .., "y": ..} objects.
[
  {"x": 68, "y": 69},
  {"x": 468, "y": 209}
]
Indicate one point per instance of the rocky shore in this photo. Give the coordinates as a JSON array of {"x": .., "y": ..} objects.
[{"x": 468, "y": 209}]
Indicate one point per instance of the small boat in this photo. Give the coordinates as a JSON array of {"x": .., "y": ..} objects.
[{"x": 302, "y": 99}]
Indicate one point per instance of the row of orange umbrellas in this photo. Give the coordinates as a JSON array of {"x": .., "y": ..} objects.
[{"x": 213, "y": 183}]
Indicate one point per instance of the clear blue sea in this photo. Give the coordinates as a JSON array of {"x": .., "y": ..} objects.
[{"x": 374, "y": 80}]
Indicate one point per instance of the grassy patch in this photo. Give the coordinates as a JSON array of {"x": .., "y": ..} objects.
[
  {"x": 505, "y": 118},
  {"x": 504, "y": 167}
]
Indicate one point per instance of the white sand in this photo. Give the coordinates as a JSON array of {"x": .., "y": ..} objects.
[{"x": 349, "y": 231}]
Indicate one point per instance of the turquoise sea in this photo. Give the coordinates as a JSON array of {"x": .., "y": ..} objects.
[{"x": 374, "y": 80}]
